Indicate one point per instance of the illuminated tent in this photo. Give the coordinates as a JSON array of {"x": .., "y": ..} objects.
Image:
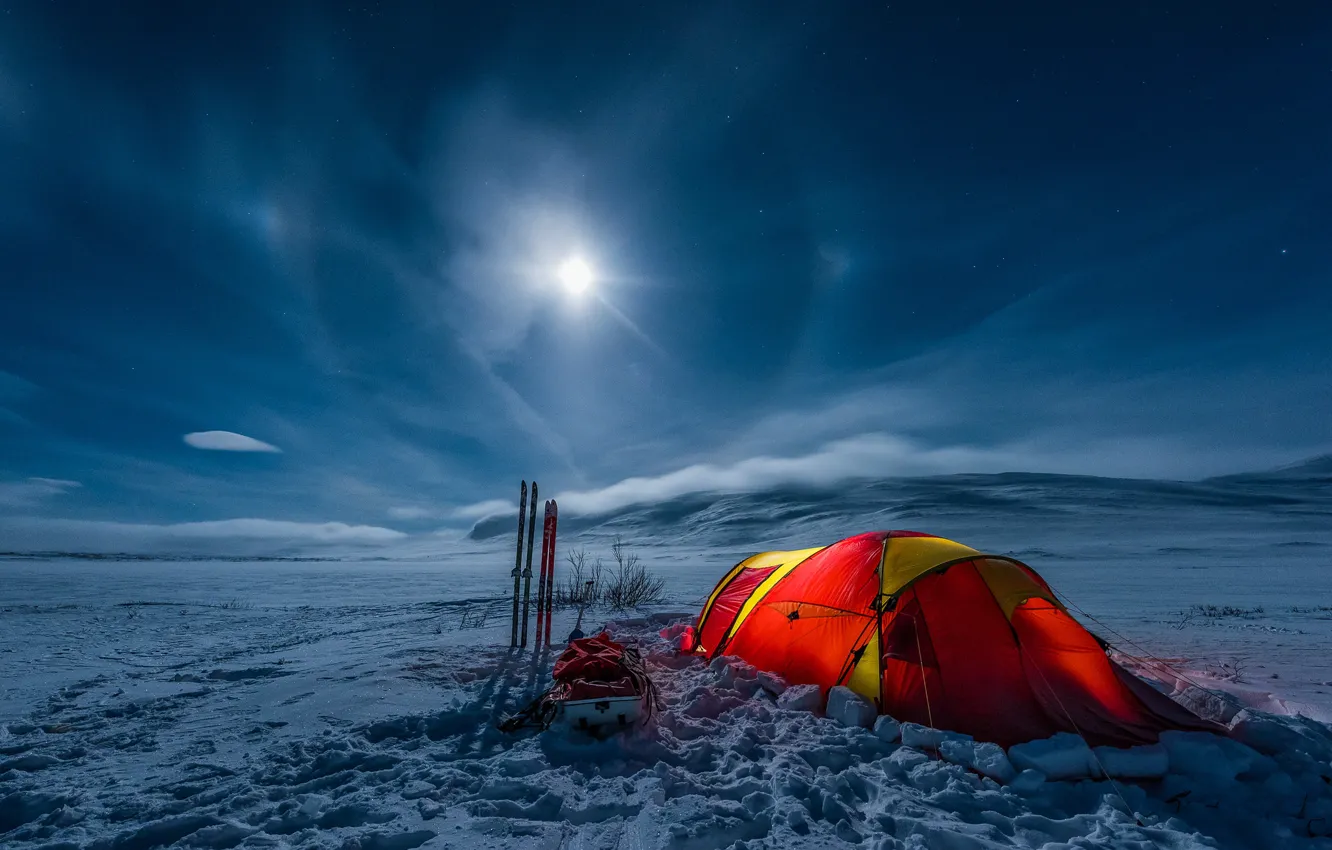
[{"x": 936, "y": 633}]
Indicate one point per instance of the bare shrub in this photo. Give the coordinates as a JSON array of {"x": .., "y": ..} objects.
[
  {"x": 631, "y": 584},
  {"x": 1230, "y": 671},
  {"x": 476, "y": 613},
  {"x": 583, "y": 582},
  {"x": 474, "y": 618},
  {"x": 1216, "y": 612},
  {"x": 1211, "y": 613}
]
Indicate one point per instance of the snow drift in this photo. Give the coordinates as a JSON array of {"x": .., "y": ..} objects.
[{"x": 374, "y": 726}]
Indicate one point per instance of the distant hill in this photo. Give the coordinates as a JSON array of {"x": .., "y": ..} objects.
[
  {"x": 726, "y": 518},
  {"x": 1314, "y": 468},
  {"x": 152, "y": 556}
]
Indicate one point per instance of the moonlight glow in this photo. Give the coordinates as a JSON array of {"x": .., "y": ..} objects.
[{"x": 576, "y": 275}]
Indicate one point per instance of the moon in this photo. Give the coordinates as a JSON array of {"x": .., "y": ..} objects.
[{"x": 576, "y": 275}]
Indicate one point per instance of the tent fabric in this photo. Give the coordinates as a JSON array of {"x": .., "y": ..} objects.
[
  {"x": 933, "y": 632},
  {"x": 727, "y": 604}
]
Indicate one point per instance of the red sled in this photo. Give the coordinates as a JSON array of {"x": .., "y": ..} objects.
[
  {"x": 599, "y": 682},
  {"x": 600, "y": 686}
]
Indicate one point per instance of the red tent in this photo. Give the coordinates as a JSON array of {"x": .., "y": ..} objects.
[{"x": 936, "y": 633}]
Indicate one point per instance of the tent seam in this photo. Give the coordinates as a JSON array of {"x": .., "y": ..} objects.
[
  {"x": 732, "y": 629},
  {"x": 712, "y": 606},
  {"x": 878, "y": 624},
  {"x": 732, "y": 575}
]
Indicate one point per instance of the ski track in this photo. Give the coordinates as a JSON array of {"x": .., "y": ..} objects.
[{"x": 373, "y": 727}]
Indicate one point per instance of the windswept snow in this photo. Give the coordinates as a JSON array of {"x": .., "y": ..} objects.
[
  {"x": 372, "y": 726},
  {"x": 344, "y": 704}
]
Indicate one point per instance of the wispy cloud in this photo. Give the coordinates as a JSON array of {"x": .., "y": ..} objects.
[
  {"x": 228, "y": 441},
  {"x": 61, "y": 484},
  {"x": 241, "y": 536},
  {"x": 33, "y": 491},
  {"x": 506, "y": 184},
  {"x": 481, "y": 510},
  {"x": 273, "y": 529},
  {"x": 867, "y": 455},
  {"x": 410, "y": 512},
  {"x": 882, "y": 455},
  {"x": 522, "y": 415}
]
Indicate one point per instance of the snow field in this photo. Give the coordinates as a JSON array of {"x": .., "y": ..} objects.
[{"x": 366, "y": 728}]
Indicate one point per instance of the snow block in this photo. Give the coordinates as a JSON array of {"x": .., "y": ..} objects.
[
  {"x": 1028, "y": 781},
  {"x": 772, "y": 683},
  {"x": 887, "y": 729},
  {"x": 721, "y": 662},
  {"x": 903, "y": 760},
  {"x": 1150, "y": 761},
  {"x": 1272, "y": 735},
  {"x": 992, "y": 761},
  {"x": 958, "y": 752},
  {"x": 674, "y": 631},
  {"x": 925, "y": 738},
  {"x": 985, "y": 758},
  {"x": 1281, "y": 790},
  {"x": 1063, "y": 756},
  {"x": 801, "y": 698},
  {"x": 1209, "y": 757},
  {"x": 850, "y": 708},
  {"x": 921, "y": 737},
  {"x": 737, "y": 671},
  {"x": 1209, "y": 704},
  {"x": 672, "y": 618},
  {"x": 681, "y": 637}
]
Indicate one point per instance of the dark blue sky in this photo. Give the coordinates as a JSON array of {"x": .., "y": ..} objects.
[{"x": 828, "y": 242}]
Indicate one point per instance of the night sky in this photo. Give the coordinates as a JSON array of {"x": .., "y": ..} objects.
[{"x": 826, "y": 240}]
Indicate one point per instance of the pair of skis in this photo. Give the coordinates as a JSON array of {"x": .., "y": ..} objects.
[
  {"x": 523, "y": 577},
  {"x": 546, "y": 586}
]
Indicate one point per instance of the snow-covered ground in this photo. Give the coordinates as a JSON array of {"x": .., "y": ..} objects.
[{"x": 353, "y": 705}]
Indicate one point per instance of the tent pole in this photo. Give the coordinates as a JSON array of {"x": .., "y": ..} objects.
[{"x": 879, "y": 602}]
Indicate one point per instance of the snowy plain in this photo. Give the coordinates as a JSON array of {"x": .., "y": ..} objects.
[{"x": 351, "y": 703}]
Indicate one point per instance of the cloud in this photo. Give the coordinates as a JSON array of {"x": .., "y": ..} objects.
[
  {"x": 881, "y": 455},
  {"x": 61, "y": 484},
  {"x": 229, "y": 536},
  {"x": 867, "y": 455},
  {"x": 481, "y": 510},
  {"x": 863, "y": 410},
  {"x": 507, "y": 188},
  {"x": 33, "y": 491},
  {"x": 274, "y": 529},
  {"x": 228, "y": 441},
  {"x": 410, "y": 512}
]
